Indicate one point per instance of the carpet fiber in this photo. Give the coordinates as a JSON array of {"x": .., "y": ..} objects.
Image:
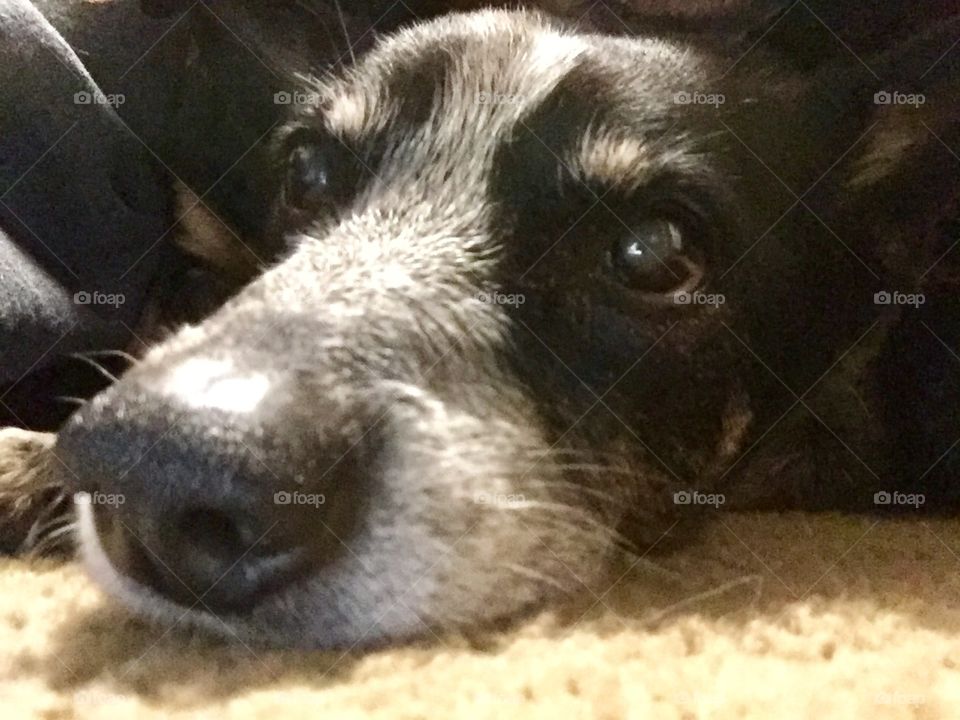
[{"x": 767, "y": 616}]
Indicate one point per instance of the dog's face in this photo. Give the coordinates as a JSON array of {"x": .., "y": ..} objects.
[{"x": 524, "y": 304}]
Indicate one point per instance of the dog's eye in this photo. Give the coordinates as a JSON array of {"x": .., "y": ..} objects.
[
  {"x": 309, "y": 180},
  {"x": 650, "y": 258}
]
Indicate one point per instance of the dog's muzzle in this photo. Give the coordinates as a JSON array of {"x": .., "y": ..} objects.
[{"x": 217, "y": 484}]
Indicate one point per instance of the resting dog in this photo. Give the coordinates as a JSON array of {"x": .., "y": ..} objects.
[{"x": 547, "y": 296}]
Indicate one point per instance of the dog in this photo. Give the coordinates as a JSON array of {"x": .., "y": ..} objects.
[{"x": 547, "y": 297}]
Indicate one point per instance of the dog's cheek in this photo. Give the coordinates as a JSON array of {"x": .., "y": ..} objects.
[{"x": 666, "y": 378}]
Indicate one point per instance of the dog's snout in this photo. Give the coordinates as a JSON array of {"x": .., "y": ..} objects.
[{"x": 201, "y": 489}]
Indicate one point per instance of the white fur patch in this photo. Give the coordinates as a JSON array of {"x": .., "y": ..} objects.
[
  {"x": 211, "y": 384},
  {"x": 551, "y": 51}
]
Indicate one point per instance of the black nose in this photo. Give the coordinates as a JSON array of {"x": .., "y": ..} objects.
[
  {"x": 205, "y": 505},
  {"x": 215, "y": 555}
]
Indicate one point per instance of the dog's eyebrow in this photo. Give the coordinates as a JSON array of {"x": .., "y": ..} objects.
[
  {"x": 617, "y": 158},
  {"x": 353, "y": 112},
  {"x": 614, "y": 159}
]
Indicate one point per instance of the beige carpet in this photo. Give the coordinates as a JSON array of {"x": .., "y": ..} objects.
[{"x": 767, "y": 617}]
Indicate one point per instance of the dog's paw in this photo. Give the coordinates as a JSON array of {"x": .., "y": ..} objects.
[{"x": 35, "y": 511}]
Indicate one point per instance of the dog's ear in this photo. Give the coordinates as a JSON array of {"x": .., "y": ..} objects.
[
  {"x": 904, "y": 175},
  {"x": 876, "y": 135},
  {"x": 820, "y": 33}
]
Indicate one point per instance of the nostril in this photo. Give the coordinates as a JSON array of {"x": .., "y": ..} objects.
[
  {"x": 212, "y": 533},
  {"x": 203, "y": 555},
  {"x": 207, "y": 554}
]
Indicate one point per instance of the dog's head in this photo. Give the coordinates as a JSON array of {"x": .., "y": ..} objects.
[{"x": 542, "y": 289}]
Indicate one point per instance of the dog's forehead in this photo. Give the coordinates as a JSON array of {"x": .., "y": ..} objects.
[
  {"x": 482, "y": 73},
  {"x": 461, "y": 69}
]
